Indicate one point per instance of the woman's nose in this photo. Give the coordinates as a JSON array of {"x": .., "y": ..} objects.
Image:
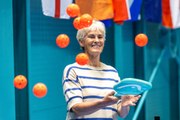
[{"x": 96, "y": 39}]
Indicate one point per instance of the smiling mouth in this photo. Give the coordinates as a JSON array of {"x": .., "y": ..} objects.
[{"x": 96, "y": 46}]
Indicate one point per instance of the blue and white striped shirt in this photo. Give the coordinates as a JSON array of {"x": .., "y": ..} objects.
[{"x": 87, "y": 83}]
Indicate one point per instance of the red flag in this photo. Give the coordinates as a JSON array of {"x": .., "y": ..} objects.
[{"x": 121, "y": 11}]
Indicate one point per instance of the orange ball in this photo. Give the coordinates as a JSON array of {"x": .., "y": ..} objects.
[
  {"x": 82, "y": 59},
  {"x": 141, "y": 40},
  {"x": 86, "y": 20},
  {"x": 62, "y": 40},
  {"x": 73, "y": 10},
  {"x": 77, "y": 24},
  {"x": 20, "y": 82},
  {"x": 40, "y": 90}
]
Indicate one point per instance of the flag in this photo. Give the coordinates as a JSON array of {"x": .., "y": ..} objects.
[
  {"x": 135, "y": 9},
  {"x": 121, "y": 11},
  {"x": 108, "y": 22},
  {"x": 56, "y": 8},
  {"x": 153, "y": 11},
  {"x": 98, "y": 9},
  {"x": 127, "y": 10},
  {"x": 118, "y": 10},
  {"x": 171, "y": 13}
]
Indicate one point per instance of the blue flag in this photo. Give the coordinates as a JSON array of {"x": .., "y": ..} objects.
[
  {"x": 153, "y": 10},
  {"x": 108, "y": 22},
  {"x": 135, "y": 9}
]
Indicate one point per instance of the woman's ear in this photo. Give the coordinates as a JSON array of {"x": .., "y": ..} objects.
[{"x": 81, "y": 43}]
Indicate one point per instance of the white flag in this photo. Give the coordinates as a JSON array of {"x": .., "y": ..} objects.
[{"x": 56, "y": 8}]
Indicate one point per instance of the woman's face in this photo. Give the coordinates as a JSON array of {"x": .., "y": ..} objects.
[{"x": 93, "y": 43}]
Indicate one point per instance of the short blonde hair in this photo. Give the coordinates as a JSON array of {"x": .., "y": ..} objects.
[{"x": 96, "y": 25}]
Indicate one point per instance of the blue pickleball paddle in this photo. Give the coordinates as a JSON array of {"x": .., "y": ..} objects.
[{"x": 131, "y": 86}]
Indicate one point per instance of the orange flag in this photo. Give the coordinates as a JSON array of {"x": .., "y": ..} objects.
[
  {"x": 98, "y": 9},
  {"x": 118, "y": 10}
]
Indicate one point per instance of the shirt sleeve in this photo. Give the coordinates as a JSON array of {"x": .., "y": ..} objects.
[{"x": 71, "y": 87}]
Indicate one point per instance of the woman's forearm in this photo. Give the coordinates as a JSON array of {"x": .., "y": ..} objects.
[
  {"x": 123, "y": 111},
  {"x": 85, "y": 108}
]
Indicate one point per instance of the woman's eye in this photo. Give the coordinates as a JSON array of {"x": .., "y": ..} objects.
[
  {"x": 94, "y": 36},
  {"x": 100, "y": 37},
  {"x": 91, "y": 36}
]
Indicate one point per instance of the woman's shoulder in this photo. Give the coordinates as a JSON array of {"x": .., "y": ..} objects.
[
  {"x": 107, "y": 66},
  {"x": 71, "y": 65}
]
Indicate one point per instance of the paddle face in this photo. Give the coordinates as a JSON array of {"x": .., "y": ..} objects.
[{"x": 131, "y": 86}]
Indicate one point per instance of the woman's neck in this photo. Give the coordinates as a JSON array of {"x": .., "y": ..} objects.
[{"x": 94, "y": 61}]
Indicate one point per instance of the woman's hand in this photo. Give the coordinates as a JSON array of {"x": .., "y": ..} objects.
[
  {"x": 129, "y": 100},
  {"x": 126, "y": 102},
  {"x": 110, "y": 99}
]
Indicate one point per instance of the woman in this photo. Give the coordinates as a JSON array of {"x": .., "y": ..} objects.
[{"x": 88, "y": 89}]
